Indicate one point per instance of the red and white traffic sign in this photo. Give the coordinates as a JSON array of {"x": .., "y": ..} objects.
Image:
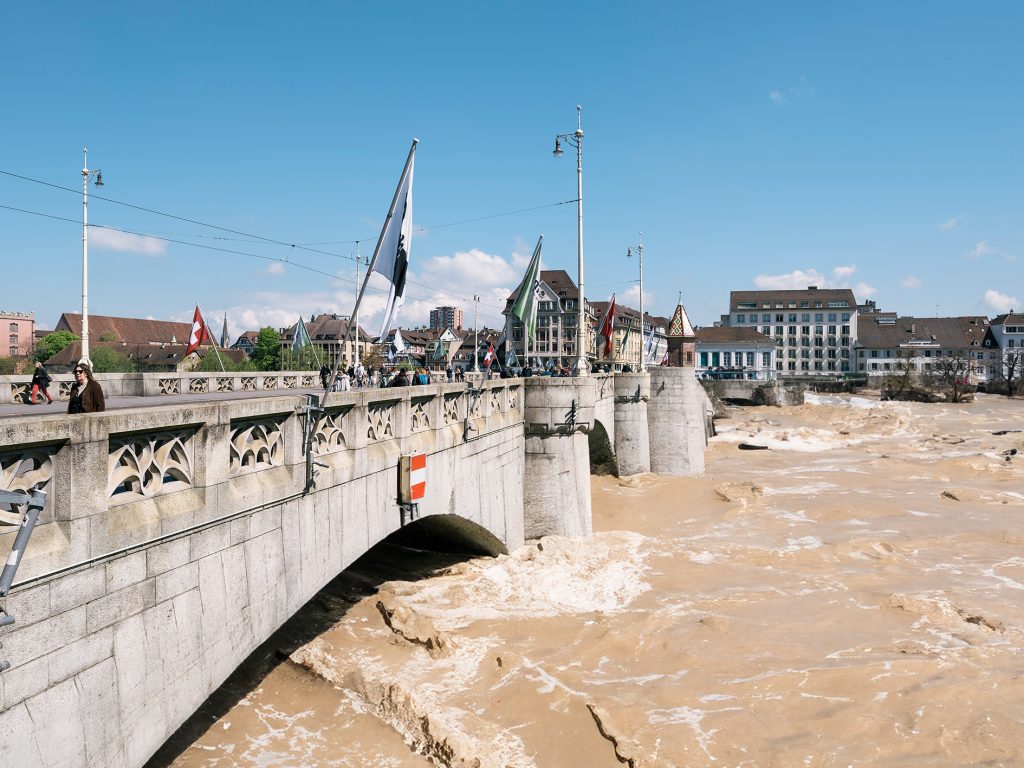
[{"x": 412, "y": 478}]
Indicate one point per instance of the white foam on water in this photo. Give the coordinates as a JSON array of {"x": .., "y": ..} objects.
[
  {"x": 693, "y": 718},
  {"x": 703, "y": 557},
  {"x": 801, "y": 490},
  {"x": 603, "y": 573},
  {"x": 796, "y": 545}
]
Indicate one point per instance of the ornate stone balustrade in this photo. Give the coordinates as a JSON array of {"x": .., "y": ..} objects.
[
  {"x": 122, "y": 478},
  {"x": 16, "y": 389}
]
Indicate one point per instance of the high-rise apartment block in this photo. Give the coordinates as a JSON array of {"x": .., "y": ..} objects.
[
  {"x": 446, "y": 317},
  {"x": 814, "y": 329}
]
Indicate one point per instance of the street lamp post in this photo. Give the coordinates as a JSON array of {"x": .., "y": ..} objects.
[
  {"x": 640, "y": 257},
  {"x": 576, "y": 140},
  {"x": 86, "y": 174},
  {"x": 476, "y": 333}
]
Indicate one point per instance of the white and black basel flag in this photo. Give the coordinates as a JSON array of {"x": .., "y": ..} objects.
[{"x": 395, "y": 246}]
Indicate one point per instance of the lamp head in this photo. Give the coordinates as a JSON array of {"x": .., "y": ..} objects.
[
  {"x": 558, "y": 148},
  {"x": 629, "y": 253},
  {"x": 99, "y": 179}
]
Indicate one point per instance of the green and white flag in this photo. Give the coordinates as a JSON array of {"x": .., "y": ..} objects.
[
  {"x": 301, "y": 336},
  {"x": 525, "y": 306}
]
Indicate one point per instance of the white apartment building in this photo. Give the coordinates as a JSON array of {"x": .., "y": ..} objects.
[{"x": 814, "y": 329}]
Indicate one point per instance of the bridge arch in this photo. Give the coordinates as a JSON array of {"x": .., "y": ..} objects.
[{"x": 449, "y": 533}]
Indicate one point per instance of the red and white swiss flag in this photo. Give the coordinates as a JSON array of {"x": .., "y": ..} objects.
[
  {"x": 489, "y": 357},
  {"x": 200, "y": 332}
]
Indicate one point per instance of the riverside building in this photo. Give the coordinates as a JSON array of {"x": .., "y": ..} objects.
[{"x": 814, "y": 329}]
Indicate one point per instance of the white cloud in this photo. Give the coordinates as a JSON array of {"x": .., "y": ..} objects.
[
  {"x": 780, "y": 96},
  {"x": 981, "y": 249},
  {"x": 798, "y": 278},
  {"x": 862, "y": 291},
  {"x": 999, "y": 302},
  {"x": 467, "y": 271},
  {"x": 275, "y": 268},
  {"x": 951, "y": 223},
  {"x": 443, "y": 280},
  {"x": 842, "y": 273},
  {"x": 114, "y": 240},
  {"x": 631, "y": 298},
  {"x": 910, "y": 281}
]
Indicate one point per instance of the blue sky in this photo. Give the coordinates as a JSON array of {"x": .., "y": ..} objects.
[{"x": 873, "y": 145}]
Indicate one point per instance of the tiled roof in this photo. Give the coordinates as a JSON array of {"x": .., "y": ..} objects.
[
  {"x": 1010, "y": 318},
  {"x": 726, "y": 335},
  {"x": 621, "y": 310},
  {"x": 810, "y": 295},
  {"x": 557, "y": 280},
  {"x": 146, "y": 354},
  {"x": 131, "y": 330},
  {"x": 944, "y": 332},
  {"x": 327, "y": 327}
]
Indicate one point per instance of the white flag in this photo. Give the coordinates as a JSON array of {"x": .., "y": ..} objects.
[{"x": 392, "y": 259}]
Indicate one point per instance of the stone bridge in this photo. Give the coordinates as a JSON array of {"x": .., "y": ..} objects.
[
  {"x": 175, "y": 538},
  {"x": 754, "y": 391}
]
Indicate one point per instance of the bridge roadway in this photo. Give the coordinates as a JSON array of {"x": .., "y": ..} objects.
[{"x": 177, "y": 536}]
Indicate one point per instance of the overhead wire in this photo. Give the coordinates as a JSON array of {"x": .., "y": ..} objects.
[
  {"x": 437, "y": 292},
  {"x": 255, "y": 238}
]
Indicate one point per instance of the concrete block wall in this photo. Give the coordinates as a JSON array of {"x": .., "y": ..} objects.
[
  {"x": 677, "y": 419},
  {"x": 130, "y": 612},
  {"x": 556, "y": 483},
  {"x": 632, "y": 433}
]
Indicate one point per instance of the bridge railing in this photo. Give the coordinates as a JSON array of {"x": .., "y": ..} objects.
[
  {"x": 16, "y": 389},
  {"x": 127, "y": 478}
]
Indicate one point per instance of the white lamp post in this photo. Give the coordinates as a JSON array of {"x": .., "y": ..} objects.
[
  {"x": 640, "y": 256},
  {"x": 86, "y": 174},
  {"x": 576, "y": 139}
]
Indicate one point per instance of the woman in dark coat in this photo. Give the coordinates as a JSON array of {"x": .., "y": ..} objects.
[
  {"x": 86, "y": 393},
  {"x": 40, "y": 383}
]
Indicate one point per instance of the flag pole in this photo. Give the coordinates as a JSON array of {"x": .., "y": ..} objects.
[
  {"x": 376, "y": 250},
  {"x": 207, "y": 328}
]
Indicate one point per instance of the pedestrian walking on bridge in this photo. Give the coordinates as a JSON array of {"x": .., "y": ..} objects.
[
  {"x": 86, "y": 393},
  {"x": 40, "y": 383}
]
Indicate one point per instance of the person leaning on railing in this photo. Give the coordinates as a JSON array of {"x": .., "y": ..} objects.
[{"x": 86, "y": 393}]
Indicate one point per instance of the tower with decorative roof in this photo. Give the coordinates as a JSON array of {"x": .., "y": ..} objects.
[{"x": 682, "y": 341}]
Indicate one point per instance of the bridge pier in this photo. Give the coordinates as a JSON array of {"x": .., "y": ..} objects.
[
  {"x": 632, "y": 432},
  {"x": 556, "y": 475},
  {"x": 677, "y": 418}
]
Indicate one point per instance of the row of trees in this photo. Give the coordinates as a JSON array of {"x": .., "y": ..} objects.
[
  {"x": 266, "y": 355},
  {"x": 950, "y": 376}
]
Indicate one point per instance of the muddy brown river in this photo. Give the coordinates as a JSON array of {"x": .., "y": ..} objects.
[{"x": 853, "y": 595}]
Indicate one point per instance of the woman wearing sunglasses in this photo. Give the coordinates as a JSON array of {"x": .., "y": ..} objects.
[{"x": 86, "y": 393}]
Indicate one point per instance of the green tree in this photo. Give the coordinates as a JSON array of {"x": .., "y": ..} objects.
[
  {"x": 108, "y": 336},
  {"x": 109, "y": 360},
  {"x": 208, "y": 363},
  {"x": 52, "y": 343},
  {"x": 6, "y": 366},
  {"x": 267, "y": 352},
  {"x": 372, "y": 360}
]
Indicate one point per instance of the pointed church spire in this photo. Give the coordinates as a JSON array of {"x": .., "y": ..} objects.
[{"x": 224, "y": 333}]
